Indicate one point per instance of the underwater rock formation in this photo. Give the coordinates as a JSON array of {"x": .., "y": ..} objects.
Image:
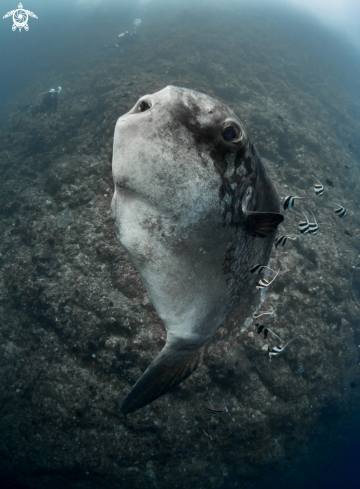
[{"x": 77, "y": 328}]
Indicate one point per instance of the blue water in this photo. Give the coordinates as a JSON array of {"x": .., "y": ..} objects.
[{"x": 76, "y": 41}]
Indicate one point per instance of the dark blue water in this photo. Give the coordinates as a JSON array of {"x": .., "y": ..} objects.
[
  {"x": 344, "y": 470},
  {"x": 68, "y": 37}
]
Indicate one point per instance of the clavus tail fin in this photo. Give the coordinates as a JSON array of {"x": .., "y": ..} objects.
[{"x": 168, "y": 369}]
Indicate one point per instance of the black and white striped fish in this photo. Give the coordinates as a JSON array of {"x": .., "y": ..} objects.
[
  {"x": 257, "y": 269},
  {"x": 264, "y": 330},
  {"x": 281, "y": 241},
  {"x": 313, "y": 226},
  {"x": 340, "y": 210},
  {"x": 256, "y": 316},
  {"x": 304, "y": 225},
  {"x": 289, "y": 201},
  {"x": 318, "y": 187},
  {"x": 265, "y": 282},
  {"x": 218, "y": 411},
  {"x": 277, "y": 349}
]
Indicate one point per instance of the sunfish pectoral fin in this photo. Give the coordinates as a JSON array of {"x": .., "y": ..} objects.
[
  {"x": 262, "y": 224},
  {"x": 167, "y": 370}
]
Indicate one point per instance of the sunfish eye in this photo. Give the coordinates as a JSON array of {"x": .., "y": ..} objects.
[
  {"x": 143, "y": 106},
  {"x": 229, "y": 133}
]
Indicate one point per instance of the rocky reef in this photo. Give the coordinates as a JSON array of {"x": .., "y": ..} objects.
[{"x": 77, "y": 328}]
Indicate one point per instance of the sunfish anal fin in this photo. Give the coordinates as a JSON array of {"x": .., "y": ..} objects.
[
  {"x": 166, "y": 371},
  {"x": 262, "y": 224}
]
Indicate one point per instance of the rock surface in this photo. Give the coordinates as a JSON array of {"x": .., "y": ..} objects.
[{"x": 76, "y": 325}]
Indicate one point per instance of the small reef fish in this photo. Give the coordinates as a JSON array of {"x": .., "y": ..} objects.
[
  {"x": 318, "y": 187},
  {"x": 256, "y": 316},
  {"x": 259, "y": 269},
  {"x": 218, "y": 411},
  {"x": 264, "y": 330},
  {"x": 304, "y": 225},
  {"x": 340, "y": 210},
  {"x": 281, "y": 241},
  {"x": 265, "y": 282},
  {"x": 277, "y": 349},
  {"x": 207, "y": 435},
  {"x": 289, "y": 201},
  {"x": 313, "y": 226}
]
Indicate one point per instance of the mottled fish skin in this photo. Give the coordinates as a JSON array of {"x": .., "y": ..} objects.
[{"x": 193, "y": 211}]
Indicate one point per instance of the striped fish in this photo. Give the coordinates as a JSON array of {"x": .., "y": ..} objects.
[
  {"x": 262, "y": 284},
  {"x": 257, "y": 269},
  {"x": 313, "y": 226},
  {"x": 264, "y": 330},
  {"x": 318, "y": 187},
  {"x": 289, "y": 201},
  {"x": 277, "y": 349},
  {"x": 265, "y": 282},
  {"x": 281, "y": 240},
  {"x": 304, "y": 225},
  {"x": 256, "y": 316},
  {"x": 340, "y": 210}
]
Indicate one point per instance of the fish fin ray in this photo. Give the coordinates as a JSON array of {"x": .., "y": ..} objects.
[
  {"x": 262, "y": 224},
  {"x": 166, "y": 371}
]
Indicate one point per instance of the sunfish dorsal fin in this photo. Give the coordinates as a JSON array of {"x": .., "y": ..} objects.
[
  {"x": 262, "y": 224},
  {"x": 173, "y": 365}
]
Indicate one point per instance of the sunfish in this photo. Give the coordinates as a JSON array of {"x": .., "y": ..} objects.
[{"x": 194, "y": 208}]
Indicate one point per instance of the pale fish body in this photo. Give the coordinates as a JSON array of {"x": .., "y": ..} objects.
[{"x": 195, "y": 208}]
